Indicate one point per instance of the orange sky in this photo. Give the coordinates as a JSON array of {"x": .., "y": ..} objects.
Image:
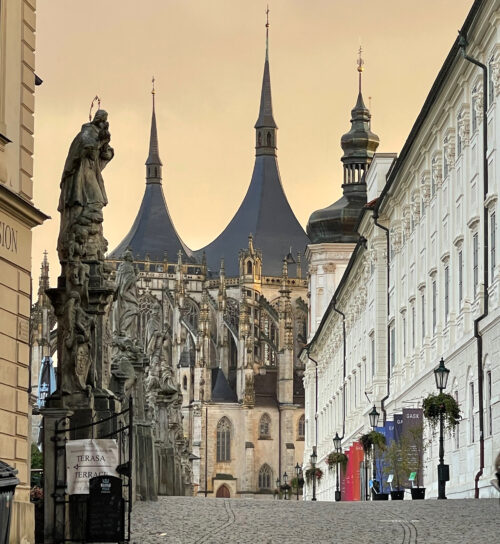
[{"x": 207, "y": 57}]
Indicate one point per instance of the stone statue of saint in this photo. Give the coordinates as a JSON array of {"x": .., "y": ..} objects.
[
  {"x": 126, "y": 307},
  {"x": 82, "y": 191},
  {"x": 154, "y": 334}
]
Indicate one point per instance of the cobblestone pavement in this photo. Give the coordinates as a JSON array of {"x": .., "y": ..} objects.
[{"x": 187, "y": 520}]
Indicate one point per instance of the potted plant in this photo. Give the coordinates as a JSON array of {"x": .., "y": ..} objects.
[
  {"x": 396, "y": 456},
  {"x": 372, "y": 443},
  {"x": 316, "y": 471},
  {"x": 433, "y": 405},
  {"x": 416, "y": 449},
  {"x": 336, "y": 457}
]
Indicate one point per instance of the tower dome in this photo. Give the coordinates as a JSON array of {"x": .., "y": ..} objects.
[{"x": 337, "y": 222}]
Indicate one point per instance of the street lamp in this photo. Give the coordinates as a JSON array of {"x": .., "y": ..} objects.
[
  {"x": 441, "y": 374},
  {"x": 298, "y": 470},
  {"x": 286, "y": 486},
  {"x": 374, "y": 415},
  {"x": 314, "y": 458},
  {"x": 337, "y": 444},
  {"x": 278, "y": 482}
]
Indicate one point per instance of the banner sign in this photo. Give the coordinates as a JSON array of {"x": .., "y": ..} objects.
[
  {"x": 46, "y": 381},
  {"x": 88, "y": 458}
]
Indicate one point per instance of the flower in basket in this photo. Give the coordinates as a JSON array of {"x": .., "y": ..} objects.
[
  {"x": 336, "y": 457},
  {"x": 36, "y": 494}
]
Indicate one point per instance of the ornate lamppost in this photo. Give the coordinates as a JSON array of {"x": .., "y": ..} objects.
[
  {"x": 441, "y": 374},
  {"x": 374, "y": 415},
  {"x": 298, "y": 471},
  {"x": 278, "y": 484},
  {"x": 314, "y": 458},
  {"x": 286, "y": 487},
  {"x": 337, "y": 441}
]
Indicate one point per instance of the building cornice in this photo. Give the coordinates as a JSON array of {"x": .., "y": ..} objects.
[{"x": 21, "y": 209}]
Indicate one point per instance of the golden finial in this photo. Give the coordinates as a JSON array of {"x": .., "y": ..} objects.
[
  {"x": 267, "y": 16},
  {"x": 361, "y": 62},
  {"x": 153, "y": 82}
]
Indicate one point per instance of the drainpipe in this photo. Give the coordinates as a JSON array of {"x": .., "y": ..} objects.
[
  {"x": 344, "y": 366},
  {"x": 462, "y": 40},
  {"x": 386, "y": 230},
  {"x": 316, "y": 402}
]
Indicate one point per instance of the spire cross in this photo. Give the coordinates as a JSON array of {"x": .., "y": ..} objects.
[
  {"x": 267, "y": 32},
  {"x": 153, "y": 91},
  {"x": 360, "y": 63}
]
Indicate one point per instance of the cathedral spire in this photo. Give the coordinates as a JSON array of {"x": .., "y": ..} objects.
[
  {"x": 153, "y": 162},
  {"x": 266, "y": 126},
  {"x": 44, "y": 275}
]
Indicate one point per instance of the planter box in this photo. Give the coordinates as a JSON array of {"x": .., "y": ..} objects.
[
  {"x": 398, "y": 495},
  {"x": 418, "y": 493},
  {"x": 380, "y": 496}
]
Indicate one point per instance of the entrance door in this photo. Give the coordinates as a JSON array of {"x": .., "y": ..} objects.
[{"x": 223, "y": 492}]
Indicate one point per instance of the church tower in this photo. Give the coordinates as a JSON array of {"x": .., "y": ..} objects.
[{"x": 332, "y": 230}]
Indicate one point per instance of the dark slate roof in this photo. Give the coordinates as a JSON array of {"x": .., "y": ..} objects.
[
  {"x": 153, "y": 232},
  {"x": 221, "y": 391},
  {"x": 266, "y": 388},
  {"x": 265, "y": 213}
]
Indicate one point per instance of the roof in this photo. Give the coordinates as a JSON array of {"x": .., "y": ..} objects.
[
  {"x": 265, "y": 386},
  {"x": 265, "y": 213},
  {"x": 221, "y": 391}
]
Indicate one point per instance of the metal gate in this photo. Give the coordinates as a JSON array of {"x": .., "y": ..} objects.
[{"x": 118, "y": 426}]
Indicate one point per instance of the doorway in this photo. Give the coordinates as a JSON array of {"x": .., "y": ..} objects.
[{"x": 223, "y": 492}]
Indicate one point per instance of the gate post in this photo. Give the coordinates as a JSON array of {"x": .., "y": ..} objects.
[{"x": 54, "y": 473}]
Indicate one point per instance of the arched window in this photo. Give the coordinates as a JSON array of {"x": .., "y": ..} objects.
[
  {"x": 184, "y": 383},
  {"x": 249, "y": 267},
  {"x": 259, "y": 138},
  {"x": 301, "y": 430},
  {"x": 265, "y": 426},
  {"x": 223, "y": 440},
  {"x": 268, "y": 138},
  {"x": 265, "y": 476}
]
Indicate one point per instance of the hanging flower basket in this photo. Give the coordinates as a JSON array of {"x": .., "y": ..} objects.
[
  {"x": 434, "y": 404},
  {"x": 373, "y": 438},
  {"x": 310, "y": 472},
  {"x": 336, "y": 457}
]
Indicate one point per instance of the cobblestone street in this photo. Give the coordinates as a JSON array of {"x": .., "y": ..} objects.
[{"x": 185, "y": 520}]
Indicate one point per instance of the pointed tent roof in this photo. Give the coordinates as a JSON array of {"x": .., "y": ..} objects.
[
  {"x": 264, "y": 212},
  {"x": 222, "y": 391},
  {"x": 153, "y": 232}
]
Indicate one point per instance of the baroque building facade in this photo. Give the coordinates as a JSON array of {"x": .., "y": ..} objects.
[
  {"x": 234, "y": 318},
  {"x": 421, "y": 283},
  {"x": 18, "y": 216}
]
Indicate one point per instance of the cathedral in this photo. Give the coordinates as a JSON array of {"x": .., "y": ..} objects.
[{"x": 234, "y": 319}]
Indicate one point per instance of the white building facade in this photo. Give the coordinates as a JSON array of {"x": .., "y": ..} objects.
[{"x": 436, "y": 294}]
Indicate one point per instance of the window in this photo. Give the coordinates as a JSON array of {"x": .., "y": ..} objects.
[
  {"x": 265, "y": 477},
  {"x": 445, "y": 165},
  {"x": 471, "y": 411},
  {"x": 492, "y": 245},
  {"x": 259, "y": 138},
  {"x": 372, "y": 348},
  {"x": 446, "y": 293},
  {"x": 459, "y": 139},
  {"x": 265, "y": 426},
  {"x": 268, "y": 138},
  {"x": 460, "y": 277},
  {"x": 434, "y": 303},
  {"x": 249, "y": 267},
  {"x": 184, "y": 383},
  {"x": 473, "y": 110},
  {"x": 223, "y": 440},
  {"x": 413, "y": 319},
  {"x": 475, "y": 252},
  {"x": 422, "y": 299},
  {"x": 433, "y": 177},
  {"x": 392, "y": 337},
  {"x": 301, "y": 428},
  {"x": 457, "y": 428},
  {"x": 488, "y": 393},
  {"x": 404, "y": 335}
]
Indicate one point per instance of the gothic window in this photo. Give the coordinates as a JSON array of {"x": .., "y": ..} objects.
[
  {"x": 156, "y": 172},
  {"x": 232, "y": 313},
  {"x": 265, "y": 476},
  {"x": 184, "y": 383},
  {"x": 191, "y": 313},
  {"x": 223, "y": 440},
  {"x": 301, "y": 431},
  {"x": 269, "y": 138},
  {"x": 259, "y": 138},
  {"x": 249, "y": 267},
  {"x": 265, "y": 426}
]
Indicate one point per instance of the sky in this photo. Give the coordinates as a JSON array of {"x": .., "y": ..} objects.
[{"x": 207, "y": 57}]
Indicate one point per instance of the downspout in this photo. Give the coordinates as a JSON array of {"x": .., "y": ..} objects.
[
  {"x": 316, "y": 401},
  {"x": 206, "y": 450},
  {"x": 386, "y": 230},
  {"x": 345, "y": 363},
  {"x": 462, "y": 40}
]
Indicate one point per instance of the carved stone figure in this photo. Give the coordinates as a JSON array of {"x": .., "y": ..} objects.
[
  {"x": 82, "y": 192},
  {"x": 126, "y": 307}
]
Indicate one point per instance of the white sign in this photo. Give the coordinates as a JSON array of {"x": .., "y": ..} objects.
[{"x": 88, "y": 458}]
